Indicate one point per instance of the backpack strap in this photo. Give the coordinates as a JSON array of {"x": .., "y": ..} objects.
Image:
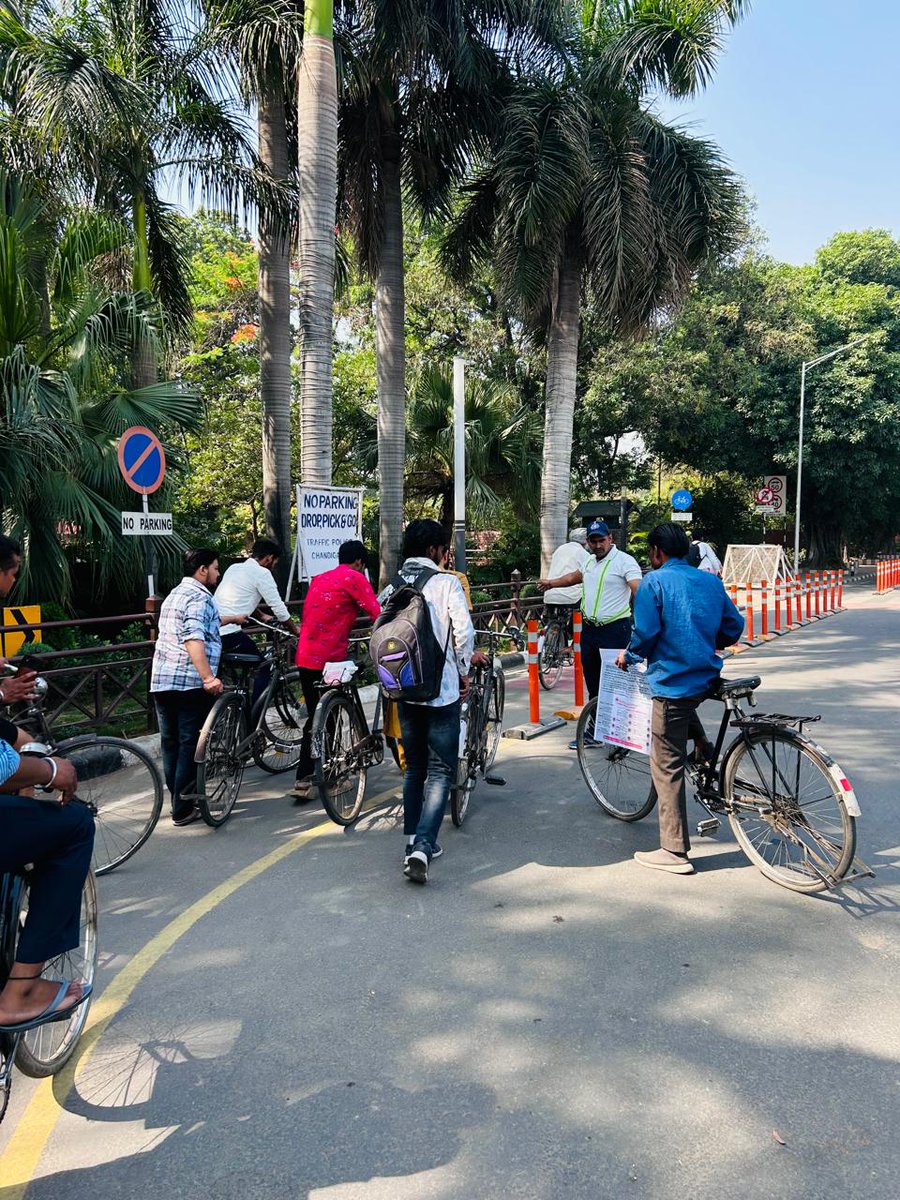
[{"x": 421, "y": 577}]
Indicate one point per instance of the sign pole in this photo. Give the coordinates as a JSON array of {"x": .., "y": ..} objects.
[
  {"x": 459, "y": 461},
  {"x": 149, "y": 564}
]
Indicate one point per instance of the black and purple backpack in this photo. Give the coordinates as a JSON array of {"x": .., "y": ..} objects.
[{"x": 408, "y": 658}]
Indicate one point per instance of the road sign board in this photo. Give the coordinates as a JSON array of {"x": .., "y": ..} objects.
[
  {"x": 682, "y": 516},
  {"x": 682, "y": 500},
  {"x": 770, "y": 497},
  {"x": 24, "y": 614},
  {"x": 142, "y": 460},
  {"x": 147, "y": 524}
]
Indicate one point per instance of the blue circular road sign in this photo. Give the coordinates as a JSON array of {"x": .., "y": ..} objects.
[
  {"x": 142, "y": 460},
  {"x": 682, "y": 500}
]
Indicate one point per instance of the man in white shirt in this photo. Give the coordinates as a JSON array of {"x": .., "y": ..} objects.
[
  {"x": 570, "y": 556},
  {"x": 243, "y": 588},
  {"x": 704, "y": 558},
  {"x": 609, "y": 578},
  {"x": 431, "y": 728}
]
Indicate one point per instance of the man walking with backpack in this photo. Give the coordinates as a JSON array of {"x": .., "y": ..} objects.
[{"x": 423, "y": 647}]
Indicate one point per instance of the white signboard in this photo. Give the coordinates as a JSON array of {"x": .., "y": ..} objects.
[
  {"x": 682, "y": 516},
  {"x": 147, "y": 524},
  {"x": 624, "y": 705},
  {"x": 326, "y": 517},
  {"x": 770, "y": 498}
]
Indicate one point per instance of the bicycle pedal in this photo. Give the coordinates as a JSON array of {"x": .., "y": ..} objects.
[
  {"x": 495, "y": 780},
  {"x": 708, "y": 827}
]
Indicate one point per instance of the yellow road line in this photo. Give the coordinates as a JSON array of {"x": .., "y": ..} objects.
[{"x": 23, "y": 1152}]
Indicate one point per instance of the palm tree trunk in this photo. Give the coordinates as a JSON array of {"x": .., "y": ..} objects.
[
  {"x": 275, "y": 334},
  {"x": 390, "y": 351},
  {"x": 317, "y": 137},
  {"x": 562, "y": 364},
  {"x": 143, "y": 356}
]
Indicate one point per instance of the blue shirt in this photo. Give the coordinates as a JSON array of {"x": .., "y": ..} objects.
[
  {"x": 9, "y": 761},
  {"x": 188, "y": 613},
  {"x": 681, "y": 616}
]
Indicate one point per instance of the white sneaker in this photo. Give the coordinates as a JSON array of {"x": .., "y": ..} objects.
[{"x": 416, "y": 867}]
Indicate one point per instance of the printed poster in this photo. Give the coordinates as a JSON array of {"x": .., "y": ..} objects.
[
  {"x": 326, "y": 517},
  {"x": 624, "y": 705}
]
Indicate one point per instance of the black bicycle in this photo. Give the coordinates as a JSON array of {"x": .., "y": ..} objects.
[
  {"x": 482, "y": 728},
  {"x": 236, "y": 730},
  {"x": 790, "y": 806},
  {"x": 117, "y": 779},
  {"x": 555, "y": 650},
  {"x": 46, "y": 1049}
]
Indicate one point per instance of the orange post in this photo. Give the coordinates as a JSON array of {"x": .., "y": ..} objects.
[
  {"x": 798, "y": 595},
  {"x": 832, "y": 603},
  {"x": 749, "y": 614},
  {"x": 579, "y": 669},
  {"x": 534, "y": 683},
  {"x": 817, "y": 588},
  {"x": 840, "y": 591},
  {"x": 778, "y": 606},
  {"x": 764, "y": 602}
]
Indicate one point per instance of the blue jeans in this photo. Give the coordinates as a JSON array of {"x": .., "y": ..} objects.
[
  {"x": 431, "y": 745},
  {"x": 181, "y": 716}
]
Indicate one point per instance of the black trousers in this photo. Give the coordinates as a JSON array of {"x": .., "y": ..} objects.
[
  {"x": 243, "y": 643},
  {"x": 58, "y": 839},
  {"x": 595, "y": 638},
  {"x": 310, "y": 678},
  {"x": 180, "y": 716}
]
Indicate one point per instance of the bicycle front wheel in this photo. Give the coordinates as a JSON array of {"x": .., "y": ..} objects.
[
  {"x": 340, "y": 764},
  {"x": 494, "y": 719},
  {"x": 618, "y": 779},
  {"x": 220, "y": 768},
  {"x": 46, "y": 1050},
  {"x": 550, "y": 659},
  {"x": 787, "y": 810},
  {"x": 282, "y": 724},
  {"x": 121, "y": 784}
]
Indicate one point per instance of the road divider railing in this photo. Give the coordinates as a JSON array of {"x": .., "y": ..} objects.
[{"x": 887, "y": 575}]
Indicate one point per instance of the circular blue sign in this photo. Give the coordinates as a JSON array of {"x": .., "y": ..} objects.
[{"x": 682, "y": 500}]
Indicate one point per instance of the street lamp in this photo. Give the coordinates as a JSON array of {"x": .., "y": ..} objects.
[{"x": 808, "y": 366}]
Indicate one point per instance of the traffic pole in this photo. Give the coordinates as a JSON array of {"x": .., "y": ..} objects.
[
  {"x": 579, "y": 669},
  {"x": 832, "y": 606},
  {"x": 534, "y": 683},
  {"x": 840, "y": 591},
  {"x": 750, "y": 635},
  {"x": 778, "y": 606},
  {"x": 764, "y": 602},
  {"x": 798, "y": 598},
  {"x": 808, "y": 588},
  {"x": 816, "y": 587}
]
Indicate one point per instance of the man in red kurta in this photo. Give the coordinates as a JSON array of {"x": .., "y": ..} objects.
[{"x": 333, "y": 603}]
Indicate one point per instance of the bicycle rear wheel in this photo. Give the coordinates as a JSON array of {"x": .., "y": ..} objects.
[
  {"x": 789, "y": 814},
  {"x": 550, "y": 659},
  {"x": 340, "y": 763},
  {"x": 618, "y": 779},
  {"x": 45, "y": 1050},
  {"x": 466, "y": 767},
  {"x": 123, "y": 787},
  {"x": 220, "y": 768},
  {"x": 494, "y": 719},
  {"x": 282, "y": 724}
]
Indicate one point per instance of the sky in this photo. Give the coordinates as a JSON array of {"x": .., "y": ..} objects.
[{"x": 805, "y": 106}]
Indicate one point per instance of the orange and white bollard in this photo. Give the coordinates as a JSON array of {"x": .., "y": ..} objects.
[
  {"x": 579, "y": 668},
  {"x": 534, "y": 682},
  {"x": 749, "y": 614},
  {"x": 798, "y": 596},
  {"x": 809, "y": 615},
  {"x": 832, "y": 602},
  {"x": 818, "y": 608},
  {"x": 764, "y": 605},
  {"x": 840, "y": 590},
  {"x": 778, "y": 606}
]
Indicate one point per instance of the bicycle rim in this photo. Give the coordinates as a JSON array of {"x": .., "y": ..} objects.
[
  {"x": 220, "y": 769},
  {"x": 618, "y": 779},
  {"x": 550, "y": 662},
  {"x": 494, "y": 724},
  {"x": 123, "y": 787},
  {"x": 340, "y": 768},
  {"x": 282, "y": 725},
  {"x": 461, "y": 792},
  {"x": 45, "y": 1050},
  {"x": 788, "y": 816}
]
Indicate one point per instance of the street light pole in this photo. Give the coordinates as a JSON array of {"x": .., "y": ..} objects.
[
  {"x": 804, "y": 367},
  {"x": 459, "y": 462}
]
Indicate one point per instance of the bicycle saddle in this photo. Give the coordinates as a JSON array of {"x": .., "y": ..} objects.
[{"x": 734, "y": 688}]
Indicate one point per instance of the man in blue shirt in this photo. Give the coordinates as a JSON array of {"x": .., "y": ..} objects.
[{"x": 681, "y": 617}]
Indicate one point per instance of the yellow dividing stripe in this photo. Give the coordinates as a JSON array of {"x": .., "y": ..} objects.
[{"x": 23, "y": 1152}]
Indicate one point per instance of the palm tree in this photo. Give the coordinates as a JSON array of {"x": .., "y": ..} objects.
[
  {"x": 422, "y": 84},
  {"x": 584, "y": 188},
  {"x": 317, "y": 152},
  {"x": 65, "y": 391}
]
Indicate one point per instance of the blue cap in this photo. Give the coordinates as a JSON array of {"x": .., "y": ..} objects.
[{"x": 598, "y": 529}]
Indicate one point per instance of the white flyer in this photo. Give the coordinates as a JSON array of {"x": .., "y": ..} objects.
[{"x": 624, "y": 705}]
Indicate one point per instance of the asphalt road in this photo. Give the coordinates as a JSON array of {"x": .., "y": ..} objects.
[{"x": 543, "y": 1020}]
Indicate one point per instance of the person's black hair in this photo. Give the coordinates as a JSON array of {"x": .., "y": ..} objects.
[
  {"x": 195, "y": 559},
  {"x": 351, "y": 552},
  {"x": 10, "y": 550},
  {"x": 420, "y": 536},
  {"x": 263, "y": 547},
  {"x": 670, "y": 539}
]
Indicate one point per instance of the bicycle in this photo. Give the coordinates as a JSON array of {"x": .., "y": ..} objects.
[
  {"x": 224, "y": 747},
  {"x": 117, "y": 780},
  {"x": 482, "y": 720},
  {"x": 790, "y": 806},
  {"x": 555, "y": 644},
  {"x": 46, "y": 1049}
]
